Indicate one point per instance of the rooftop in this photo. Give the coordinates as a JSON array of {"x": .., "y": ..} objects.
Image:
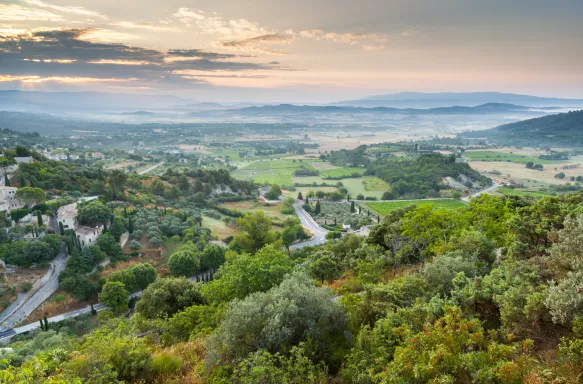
[{"x": 68, "y": 210}]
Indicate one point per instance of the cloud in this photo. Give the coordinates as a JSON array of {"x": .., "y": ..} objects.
[
  {"x": 145, "y": 26},
  {"x": 258, "y": 43},
  {"x": 15, "y": 12},
  {"x": 367, "y": 41},
  {"x": 74, "y": 10},
  {"x": 69, "y": 56},
  {"x": 215, "y": 24}
]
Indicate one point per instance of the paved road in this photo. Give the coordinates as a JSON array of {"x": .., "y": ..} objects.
[
  {"x": 149, "y": 169},
  {"x": 7, "y": 334},
  {"x": 487, "y": 190},
  {"x": 50, "y": 287},
  {"x": 308, "y": 222}
]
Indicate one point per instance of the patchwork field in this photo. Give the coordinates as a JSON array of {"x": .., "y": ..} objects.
[
  {"x": 506, "y": 156},
  {"x": 372, "y": 183},
  {"x": 341, "y": 172},
  {"x": 217, "y": 226},
  {"x": 386, "y": 206},
  {"x": 273, "y": 211}
]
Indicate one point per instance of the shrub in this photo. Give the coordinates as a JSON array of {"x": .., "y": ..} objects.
[{"x": 165, "y": 364}]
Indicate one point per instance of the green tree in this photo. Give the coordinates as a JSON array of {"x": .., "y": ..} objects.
[
  {"x": 213, "y": 256},
  {"x": 93, "y": 213},
  {"x": 117, "y": 181},
  {"x": 30, "y": 195},
  {"x": 246, "y": 274},
  {"x": 325, "y": 268},
  {"x": 185, "y": 261},
  {"x": 273, "y": 193},
  {"x": 158, "y": 187},
  {"x": 167, "y": 296},
  {"x": 318, "y": 209},
  {"x": 293, "y": 312},
  {"x": 288, "y": 236},
  {"x": 114, "y": 296},
  {"x": 254, "y": 231}
]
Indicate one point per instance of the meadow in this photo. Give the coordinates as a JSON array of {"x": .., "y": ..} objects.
[
  {"x": 387, "y": 206},
  {"x": 372, "y": 183},
  {"x": 341, "y": 172}
]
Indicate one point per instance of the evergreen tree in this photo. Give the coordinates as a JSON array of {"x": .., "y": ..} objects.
[
  {"x": 39, "y": 218},
  {"x": 352, "y": 207},
  {"x": 318, "y": 208},
  {"x": 6, "y": 181},
  {"x": 300, "y": 196},
  {"x": 22, "y": 181}
]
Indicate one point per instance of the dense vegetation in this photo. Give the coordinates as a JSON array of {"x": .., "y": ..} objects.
[
  {"x": 560, "y": 130},
  {"x": 487, "y": 293},
  {"x": 422, "y": 176}
]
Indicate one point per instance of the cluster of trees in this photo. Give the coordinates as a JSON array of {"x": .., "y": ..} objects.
[
  {"x": 531, "y": 165},
  {"x": 25, "y": 253},
  {"x": 421, "y": 177}
]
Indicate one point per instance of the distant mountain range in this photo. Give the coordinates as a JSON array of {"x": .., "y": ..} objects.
[
  {"x": 85, "y": 101},
  {"x": 489, "y": 108},
  {"x": 449, "y": 99},
  {"x": 563, "y": 129}
]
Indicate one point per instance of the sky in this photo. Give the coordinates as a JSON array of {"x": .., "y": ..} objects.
[{"x": 292, "y": 51}]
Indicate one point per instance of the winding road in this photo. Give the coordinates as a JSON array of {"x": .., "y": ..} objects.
[
  {"x": 43, "y": 293},
  {"x": 309, "y": 223},
  {"x": 149, "y": 169}
]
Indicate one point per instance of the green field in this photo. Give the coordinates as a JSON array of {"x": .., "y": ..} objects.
[
  {"x": 341, "y": 172},
  {"x": 372, "y": 183},
  {"x": 521, "y": 192},
  {"x": 510, "y": 157},
  {"x": 355, "y": 187},
  {"x": 386, "y": 206}
]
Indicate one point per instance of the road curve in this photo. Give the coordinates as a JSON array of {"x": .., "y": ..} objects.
[
  {"x": 50, "y": 287},
  {"x": 309, "y": 223},
  {"x": 149, "y": 169}
]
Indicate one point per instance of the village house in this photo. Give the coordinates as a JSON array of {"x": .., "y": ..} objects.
[
  {"x": 7, "y": 200},
  {"x": 67, "y": 216}
]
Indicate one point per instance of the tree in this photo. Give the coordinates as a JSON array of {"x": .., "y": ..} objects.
[
  {"x": 183, "y": 183},
  {"x": 135, "y": 245},
  {"x": 529, "y": 164},
  {"x": 254, "y": 231},
  {"x": 318, "y": 209},
  {"x": 273, "y": 193},
  {"x": 167, "y": 296},
  {"x": 145, "y": 275},
  {"x": 325, "y": 268},
  {"x": 300, "y": 197},
  {"x": 117, "y": 229},
  {"x": 107, "y": 244},
  {"x": 352, "y": 207},
  {"x": 456, "y": 195},
  {"x": 185, "y": 261},
  {"x": 31, "y": 196},
  {"x": 114, "y": 296},
  {"x": 246, "y": 274},
  {"x": 117, "y": 180},
  {"x": 295, "y": 368},
  {"x": 332, "y": 235},
  {"x": 285, "y": 316},
  {"x": 158, "y": 187},
  {"x": 213, "y": 256},
  {"x": 93, "y": 213},
  {"x": 38, "y": 251},
  {"x": 288, "y": 236},
  {"x": 39, "y": 218}
]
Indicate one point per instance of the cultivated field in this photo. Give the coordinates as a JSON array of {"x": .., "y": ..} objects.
[
  {"x": 506, "y": 156},
  {"x": 386, "y": 206}
]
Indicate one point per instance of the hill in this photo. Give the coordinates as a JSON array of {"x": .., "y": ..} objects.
[
  {"x": 489, "y": 108},
  {"x": 86, "y": 101},
  {"x": 563, "y": 129},
  {"x": 449, "y": 99}
]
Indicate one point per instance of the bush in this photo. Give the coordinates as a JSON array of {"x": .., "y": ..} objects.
[{"x": 165, "y": 364}]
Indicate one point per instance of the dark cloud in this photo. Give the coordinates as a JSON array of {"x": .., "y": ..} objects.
[
  {"x": 258, "y": 43},
  {"x": 33, "y": 54}
]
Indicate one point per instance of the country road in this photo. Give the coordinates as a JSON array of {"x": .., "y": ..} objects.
[
  {"x": 309, "y": 223},
  {"x": 50, "y": 287},
  {"x": 492, "y": 188},
  {"x": 149, "y": 169}
]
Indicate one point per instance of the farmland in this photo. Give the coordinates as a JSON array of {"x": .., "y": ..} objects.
[
  {"x": 505, "y": 156},
  {"x": 372, "y": 183},
  {"x": 341, "y": 172},
  {"x": 386, "y": 206},
  {"x": 339, "y": 213}
]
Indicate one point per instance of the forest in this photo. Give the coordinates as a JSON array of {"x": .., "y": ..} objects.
[
  {"x": 486, "y": 293},
  {"x": 560, "y": 130}
]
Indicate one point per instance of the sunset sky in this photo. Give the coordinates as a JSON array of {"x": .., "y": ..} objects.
[{"x": 302, "y": 50}]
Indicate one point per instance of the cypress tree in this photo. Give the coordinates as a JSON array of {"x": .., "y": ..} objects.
[
  {"x": 352, "y": 208},
  {"x": 42, "y": 327},
  {"x": 46, "y": 323},
  {"x": 6, "y": 181},
  {"x": 22, "y": 181},
  {"x": 39, "y": 218}
]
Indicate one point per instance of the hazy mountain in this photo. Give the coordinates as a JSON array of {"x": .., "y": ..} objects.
[
  {"x": 449, "y": 99},
  {"x": 490, "y": 108},
  {"x": 553, "y": 130},
  {"x": 85, "y": 101}
]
